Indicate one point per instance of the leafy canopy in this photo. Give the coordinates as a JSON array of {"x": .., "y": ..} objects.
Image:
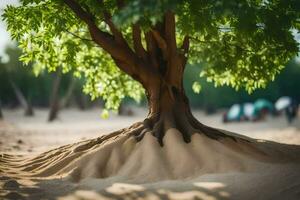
[{"x": 242, "y": 43}]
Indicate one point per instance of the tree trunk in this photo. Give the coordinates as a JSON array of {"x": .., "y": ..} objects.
[
  {"x": 82, "y": 101},
  {"x": 1, "y": 114},
  {"x": 169, "y": 108},
  {"x": 29, "y": 109},
  {"x": 65, "y": 101},
  {"x": 124, "y": 111},
  {"x": 54, "y": 100},
  {"x": 22, "y": 100}
]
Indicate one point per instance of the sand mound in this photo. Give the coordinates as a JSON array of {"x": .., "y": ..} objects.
[
  {"x": 119, "y": 154},
  {"x": 117, "y": 166}
]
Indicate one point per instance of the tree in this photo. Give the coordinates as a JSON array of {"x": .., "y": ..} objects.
[
  {"x": 22, "y": 100},
  {"x": 54, "y": 100},
  {"x": 16, "y": 74},
  {"x": 1, "y": 114},
  {"x": 57, "y": 103},
  {"x": 124, "y": 48},
  {"x": 65, "y": 101}
]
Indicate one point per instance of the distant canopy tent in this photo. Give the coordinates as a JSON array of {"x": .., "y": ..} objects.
[
  {"x": 282, "y": 103},
  {"x": 261, "y": 105},
  {"x": 235, "y": 113},
  {"x": 248, "y": 110},
  {"x": 239, "y": 112}
]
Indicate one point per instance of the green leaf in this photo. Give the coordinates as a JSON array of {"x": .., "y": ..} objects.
[
  {"x": 105, "y": 114},
  {"x": 196, "y": 87}
]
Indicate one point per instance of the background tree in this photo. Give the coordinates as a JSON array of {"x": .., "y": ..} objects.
[
  {"x": 54, "y": 98},
  {"x": 1, "y": 114},
  {"x": 124, "y": 48},
  {"x": 16, "y": 76},
  {"x": 32, "y": 87},
  {"x": 19, "y": 85},
  {"x": 58, "y": 98}
]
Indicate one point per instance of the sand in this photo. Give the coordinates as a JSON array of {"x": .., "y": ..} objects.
[{"x": 121, "y": 168}]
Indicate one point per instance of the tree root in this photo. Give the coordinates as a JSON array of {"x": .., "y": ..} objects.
[{"x": 158, "y": 125}]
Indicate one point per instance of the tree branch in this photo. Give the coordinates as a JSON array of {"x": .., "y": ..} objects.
[
  {"x": 103, "y": 39},
  {"x": 185, "y": 49},
  {"x": 151, "y": 48},
  {"x": 107, "y": 19},
  {"x": 77, "y": 36},
  {"x": 137, "y": 41},
  {"x": 161, "y": 43},
  {"x": 170, "y": 34},
  {"x": 185, "y": 44},
  {"x": 122, "y": 54},
  {"x": 80, "y": 13}
]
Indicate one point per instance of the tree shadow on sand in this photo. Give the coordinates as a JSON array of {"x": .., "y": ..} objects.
[{"x": 63, "y": 189}]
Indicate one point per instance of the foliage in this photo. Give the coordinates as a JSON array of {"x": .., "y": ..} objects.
[
  {"x": 242, "y": 43},
  {"x": 212, "y": 98},
  {"x": 13, "y": 72},
  {"x": 36, "y": 89}
]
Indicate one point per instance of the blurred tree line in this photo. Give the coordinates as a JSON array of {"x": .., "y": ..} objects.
[{"x": 20, "y": 86}]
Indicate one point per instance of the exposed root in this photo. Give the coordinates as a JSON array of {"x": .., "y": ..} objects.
[{"x": 158, "y": 125}]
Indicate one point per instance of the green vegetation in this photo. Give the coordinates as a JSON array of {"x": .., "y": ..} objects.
[
  {"x": 211, "y": 97},
  {"x": 36, "y": 89},
  {"x": 241, "y": 43}
]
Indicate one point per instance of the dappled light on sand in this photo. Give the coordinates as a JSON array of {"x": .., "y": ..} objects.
[{"x": 132, "y": 191}]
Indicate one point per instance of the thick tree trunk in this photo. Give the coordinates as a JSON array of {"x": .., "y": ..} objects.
[{"x": 169, "y": 108}]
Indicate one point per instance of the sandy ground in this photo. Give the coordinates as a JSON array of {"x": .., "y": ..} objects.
[
  {"x": 233, "y": 175},
  {"x": 32, "y": 135}
]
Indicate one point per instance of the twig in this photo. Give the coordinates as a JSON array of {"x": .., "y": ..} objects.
[{"x": 85, "y": 39}]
